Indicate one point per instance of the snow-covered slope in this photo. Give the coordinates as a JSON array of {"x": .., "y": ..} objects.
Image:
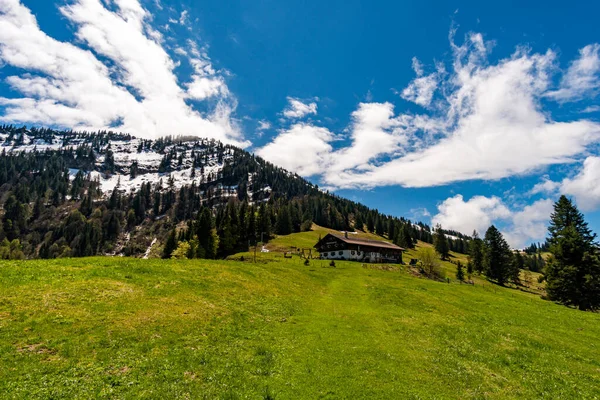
[{"x": 174, "y": 161}]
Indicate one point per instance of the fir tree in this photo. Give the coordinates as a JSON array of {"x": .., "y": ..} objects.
[
  {"x": 440, "y": 242},
  {"x": 573, "y": 271},
  {"x": 496, "y": 256}
]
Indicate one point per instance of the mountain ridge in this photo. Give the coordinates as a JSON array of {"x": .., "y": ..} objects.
[{"x": 129, "y": 188}]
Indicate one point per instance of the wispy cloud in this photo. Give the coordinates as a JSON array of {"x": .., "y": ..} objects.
[
  {"x": 582, "y": 79},
  {"x": 489, "y": 122},
  {"x": 130, "y": 86}
]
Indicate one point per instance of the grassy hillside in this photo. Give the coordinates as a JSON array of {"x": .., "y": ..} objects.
[{"x": 130, "y": 328}]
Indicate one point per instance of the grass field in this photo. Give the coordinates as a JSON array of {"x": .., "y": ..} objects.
[{"x": 128, "y": 328}]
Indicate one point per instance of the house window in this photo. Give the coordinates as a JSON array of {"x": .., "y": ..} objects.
[
  {"x": 340, "y": 252},
  {"x": 352, "y": 252},
  {"x": 324, "y": 254}
]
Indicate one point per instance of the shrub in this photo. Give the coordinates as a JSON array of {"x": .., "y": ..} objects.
[{"x": 430, "y": 262}]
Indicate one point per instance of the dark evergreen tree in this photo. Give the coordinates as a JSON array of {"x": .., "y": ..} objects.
[
  {"x": 440, "y": 242},
  {"x": 497, "y": 256},
  {"x": 476, "y": 252},
  {"x": 573, "y": 271},
  {"x": 284, "y": 221},
  {"x": 170, "y": 245}
]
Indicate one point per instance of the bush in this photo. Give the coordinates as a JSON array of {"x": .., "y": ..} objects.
[
  {"x": 181, "y": 252},
  {"x": 430, "y": 262}
]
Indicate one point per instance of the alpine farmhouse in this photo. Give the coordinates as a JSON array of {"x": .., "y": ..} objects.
[{"x": 338, "y": 247}]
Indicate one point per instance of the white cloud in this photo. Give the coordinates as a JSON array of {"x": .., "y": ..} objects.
[
  {"x": 263, "y": 125},
  {"x": 478, "y": 213},
  {"x": 582, "y": 78},
  {"x": 136, "y": 90},
  {"x": 420, "y": 91},
  {"x": 488, "y": 123},
  {"x": 202, "y": 87},
  {"x": 585, "y": 186},
  {"x": 302, "y": 148},
  {"x": 529, "y": 224},
  {"x": 183, "y": 17},
  {"x": 519, "y": 227},
  {"x": 297, "y": 109},
  {"x": 591, "y": 109},
  {"x": 545, "y": 186}
]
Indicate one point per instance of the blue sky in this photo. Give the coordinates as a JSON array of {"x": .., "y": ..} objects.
[{"x": 462, "y": 113}]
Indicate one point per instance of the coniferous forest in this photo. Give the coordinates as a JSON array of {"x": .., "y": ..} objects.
[{"x": 216, "y": 198}]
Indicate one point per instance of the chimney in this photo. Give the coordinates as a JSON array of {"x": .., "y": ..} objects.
[{"x": 346, "y": 234}]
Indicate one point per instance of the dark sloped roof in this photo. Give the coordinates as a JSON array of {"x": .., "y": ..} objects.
[{"x": 366, "y": 242}]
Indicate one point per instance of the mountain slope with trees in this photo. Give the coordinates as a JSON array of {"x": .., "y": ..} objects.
[{"x": 73, "y": 194}]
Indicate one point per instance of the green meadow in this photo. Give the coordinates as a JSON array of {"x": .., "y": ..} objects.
[{"x": 277, "y": 329}]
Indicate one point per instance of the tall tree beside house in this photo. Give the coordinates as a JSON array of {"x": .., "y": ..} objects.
[
  {"x": 370, "y": 223},
  {"x": 409, "y": 241},
  {"x": 379, "y": 226},
  {"x": 573, "y": 271},
  {"x": 440, "y": 242},
  {"x": 497, "y": 257},
  {"x": 359, "y": 224}
]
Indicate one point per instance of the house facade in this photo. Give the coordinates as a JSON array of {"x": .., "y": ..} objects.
[{"x": 338, "y": 247}]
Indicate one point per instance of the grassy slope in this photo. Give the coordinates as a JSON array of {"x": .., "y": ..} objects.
[{"x": 125, "y": 328}]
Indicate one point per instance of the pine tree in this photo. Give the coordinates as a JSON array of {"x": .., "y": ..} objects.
[
  {"x": 440, "y": 242},
  {"x": 496, "y": 256},
  {"x": 573, "y": 271}
]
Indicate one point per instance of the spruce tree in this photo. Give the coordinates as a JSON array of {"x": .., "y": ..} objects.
[
  {"x": 496, "y": 256},
  {"x": 440, "y": 242},
  {"x": 359, "y": 224},
  {"x": 573, "y": 271}
]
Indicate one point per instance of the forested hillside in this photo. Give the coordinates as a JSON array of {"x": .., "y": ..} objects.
[{"x": 72, "y": 194}]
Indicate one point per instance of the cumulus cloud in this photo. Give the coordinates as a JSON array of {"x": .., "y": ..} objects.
[
  {"x": 302, "y": 148},
  {"x": 489, "y": 123},
  {"x": 478, "y": 213},
  {"x": 519, "y": 226},
  {"x": 298, "y": 109},
  {"x": 545, "y": 186},
  {"x": 582, "y": 78},
  {"x": 529, "y": 224},
  {"x": 585, "y": 186},
  {"x": 118, "y": 76}
]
